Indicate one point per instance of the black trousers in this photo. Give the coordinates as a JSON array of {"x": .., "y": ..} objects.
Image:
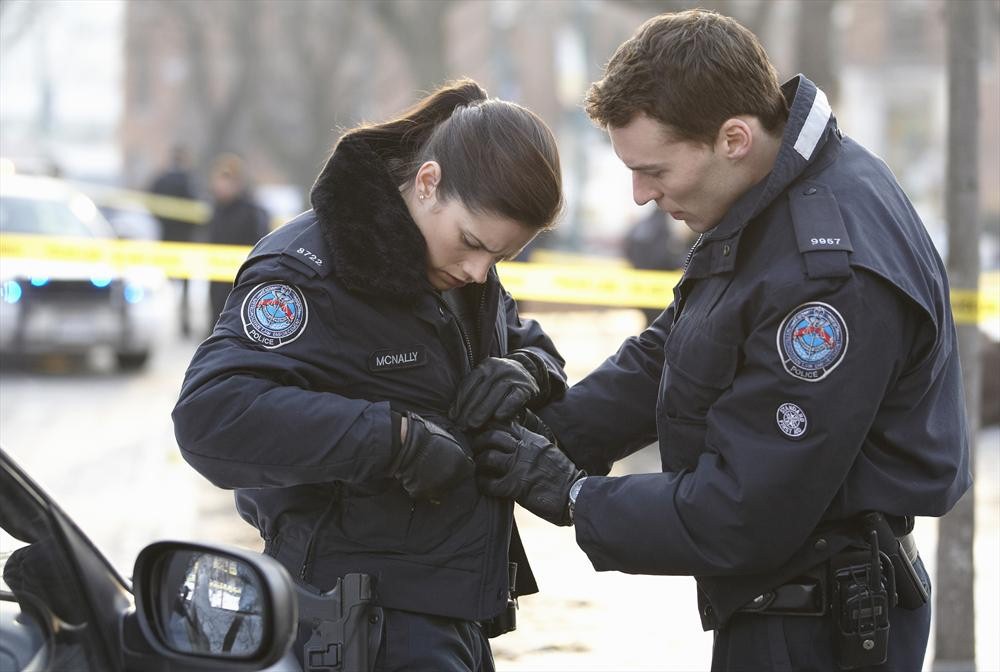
[
  {"x": 433, "y": 643},
  {"x": 802, "y": 643},
  {"x": 423, "y": 643}
]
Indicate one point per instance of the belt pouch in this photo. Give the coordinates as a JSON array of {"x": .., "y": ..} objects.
[
  {"x": 860, "y": 607},
  {"x": 506, "y": 620}
]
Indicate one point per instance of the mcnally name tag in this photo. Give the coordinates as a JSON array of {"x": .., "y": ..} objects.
[{"x": 397, "y": 358}]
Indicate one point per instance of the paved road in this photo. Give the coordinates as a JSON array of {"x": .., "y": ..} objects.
[{"x": 102, "y": 444}]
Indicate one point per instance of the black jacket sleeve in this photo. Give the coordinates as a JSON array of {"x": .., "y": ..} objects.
[
  {"x": 250, "y": 417},
  {"x": 611, "y": 413}
]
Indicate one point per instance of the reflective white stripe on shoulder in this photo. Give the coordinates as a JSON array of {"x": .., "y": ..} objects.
[{"x": 812, "y": 129}]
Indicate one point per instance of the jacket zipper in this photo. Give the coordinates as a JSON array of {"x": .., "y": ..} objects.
[
  {"x": 335, "y": 499},
  {"x": 679, "y": 302},
  {"x": 465, "y": 337},
  {"x": 480, "y": 314},
  {"x": 694, "y": 248}
]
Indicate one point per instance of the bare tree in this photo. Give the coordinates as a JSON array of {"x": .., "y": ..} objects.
[
  {"x": 754, "y": 14},
  {"x": 222, "y": 49},
  {"x": 321, "y": 88},
  {"x": 954, "y": 636},
  {"x": 273, "y": 78},
  {"x": 814, "y": 53},
  {"x": 418, "y": 28}
]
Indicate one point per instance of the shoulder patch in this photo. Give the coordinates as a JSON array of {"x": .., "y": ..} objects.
[
  {"x": 792, "y": 420},
  {"x": 812, "y": 341},
  {"x": 274, "y": 314}
]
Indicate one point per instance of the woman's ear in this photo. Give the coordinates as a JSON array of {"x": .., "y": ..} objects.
[
  {"x": 735, "y": 138},
  {"x": 426, "y": 180}
]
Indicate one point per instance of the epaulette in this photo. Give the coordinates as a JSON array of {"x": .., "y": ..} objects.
[
  {"x": 820, "y": 231},
  {"x": 307, "y": 253}
]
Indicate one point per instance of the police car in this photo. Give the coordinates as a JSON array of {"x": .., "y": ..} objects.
[
  {"x": 189, "y": 607},
  {"x": 70, "y": 307}
]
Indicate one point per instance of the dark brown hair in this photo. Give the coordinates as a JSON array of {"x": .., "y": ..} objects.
[
  {"x": 496, "y": 157},
  {"x": 691, "y": 71}
]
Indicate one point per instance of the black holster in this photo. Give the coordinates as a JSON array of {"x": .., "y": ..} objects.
[
  {"x": 903, "y": 553},
  {"x": 346, "y": 627}
]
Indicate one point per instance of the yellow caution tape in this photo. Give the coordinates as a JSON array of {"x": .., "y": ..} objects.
[
  {"x": 170, "y": 207},
  {"x": 564, "y": 258},
  {"x": 588, "y": 285},
  {"x": 178, "y": 260},
  {"x": 601, "y": 285}
]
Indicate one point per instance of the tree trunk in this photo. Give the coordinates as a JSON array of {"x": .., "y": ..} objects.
[
  {"x": 419, "y": 29},
  {"x": 814, "y": 53},
  {"x": 954, "y": 636}
]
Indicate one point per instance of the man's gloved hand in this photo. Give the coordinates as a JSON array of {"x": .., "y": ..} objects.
[
  {"x": 429, "y": 461},
  {"x": 521, "y": 465},
  {"x": 498, "y": 388}
]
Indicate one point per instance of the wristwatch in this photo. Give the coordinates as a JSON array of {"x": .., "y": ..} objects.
[{"x": 574, "y": 490}]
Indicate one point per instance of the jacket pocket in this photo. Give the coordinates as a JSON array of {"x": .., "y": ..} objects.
[
  {"x": 698, "y": 371},
  {"x": 681, "y": 443},
  {"x": 390, "y": 521},
  {"x": 376, "y": 518}
]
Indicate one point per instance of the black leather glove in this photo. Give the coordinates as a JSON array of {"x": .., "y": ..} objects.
[
  {"x": 498, "y": 388},
  {"x": 521, "y": 465},
  {"x": 429, "y": 462},
  {"x": 531, "y": 422}
]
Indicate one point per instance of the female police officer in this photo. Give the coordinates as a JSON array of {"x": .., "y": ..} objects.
[{"x": 322, "y": 396}]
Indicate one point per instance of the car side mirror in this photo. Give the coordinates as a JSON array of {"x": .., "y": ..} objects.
[{"x": 200, "y": 605}]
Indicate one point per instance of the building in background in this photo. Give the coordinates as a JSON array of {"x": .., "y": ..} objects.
[
  {"x": 102, "y": 90},
  {"x": 61, "y": 87}
]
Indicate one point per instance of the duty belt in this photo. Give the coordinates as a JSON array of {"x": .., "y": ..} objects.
[
  {"x": 807, "y": 595},
  {"x": 810, "y": 595}
]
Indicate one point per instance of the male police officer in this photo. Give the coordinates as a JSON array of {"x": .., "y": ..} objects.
[{"x": 804, "y": 384}]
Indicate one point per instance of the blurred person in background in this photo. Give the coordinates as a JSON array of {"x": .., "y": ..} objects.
[
  {"x": 362, "y": 343},
  {"x": 176, "y": 181},
  {"x": 804, "y": 385},
  {"x": 236, "y": 219}
]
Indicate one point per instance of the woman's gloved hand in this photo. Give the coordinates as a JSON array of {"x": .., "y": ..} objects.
[
  {"x": 498, "y": 388},
  {"x": 428, "y": 461},
  {"x": 526, "y": 467}
]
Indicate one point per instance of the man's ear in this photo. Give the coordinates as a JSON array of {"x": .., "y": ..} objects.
[{"x": 735, "y": 138}]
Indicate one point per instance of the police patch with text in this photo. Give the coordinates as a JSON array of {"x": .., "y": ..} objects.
[
  {"x": 397, "y": 358},
  {"x": 791, "y": 420},
  {"x": 812, "y": 341},
  {"x": 274, "y": 314}
]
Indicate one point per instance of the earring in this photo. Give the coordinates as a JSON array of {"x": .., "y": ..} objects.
[{"x": 422, "y": 196}]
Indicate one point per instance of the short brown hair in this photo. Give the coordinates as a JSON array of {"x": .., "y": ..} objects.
[{"x": 691, "y": 71}]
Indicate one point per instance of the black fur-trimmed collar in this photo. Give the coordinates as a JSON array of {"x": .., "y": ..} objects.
[{"x": 375, "y": 246}]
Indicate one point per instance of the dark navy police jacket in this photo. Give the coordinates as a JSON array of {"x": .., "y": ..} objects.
[
  {"x": 331, "y": 323},
  {"x": 805, "y": 372}
]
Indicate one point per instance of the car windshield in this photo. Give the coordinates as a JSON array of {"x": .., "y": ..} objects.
[{"x": 45, "y": 217}]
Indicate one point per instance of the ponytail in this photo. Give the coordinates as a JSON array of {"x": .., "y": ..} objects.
[
  {"x": 496, "y": 157},
  {"x": 399, "y": 142}
]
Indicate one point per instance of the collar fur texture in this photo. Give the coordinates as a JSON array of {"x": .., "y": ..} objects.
[{"x": 375, "y": 246}]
